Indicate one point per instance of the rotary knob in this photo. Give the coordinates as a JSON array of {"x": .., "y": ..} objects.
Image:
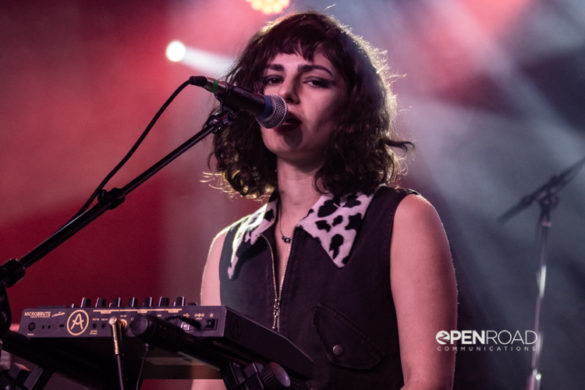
[
  {"x": 100, "y": 302},
  {"x": 179, "y": 302},
  {"x": 117, "y": 302},
  {"x": 274, "y": 377},
  {"x": 85, "y": 302}
]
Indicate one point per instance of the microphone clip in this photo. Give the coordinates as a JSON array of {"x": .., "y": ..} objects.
[{"x": 221, "y": 119}]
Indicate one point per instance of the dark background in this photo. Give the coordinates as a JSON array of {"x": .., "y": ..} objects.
[{"x": 492, "y": 93}]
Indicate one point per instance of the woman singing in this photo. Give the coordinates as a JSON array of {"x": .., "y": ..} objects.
[{"x": 355, "y": 270}]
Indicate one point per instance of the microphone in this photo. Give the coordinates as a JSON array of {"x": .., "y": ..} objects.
[{"x": 269, "y": 110}]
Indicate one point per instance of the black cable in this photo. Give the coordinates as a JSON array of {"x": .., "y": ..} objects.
[
  {"x": 117, "y": 341},
  {"x": 100, "y": 188},
  {"x": 196, "y": 324},
  {"x": 141, "y": 367},
  {"x": 120, "y": 370}
]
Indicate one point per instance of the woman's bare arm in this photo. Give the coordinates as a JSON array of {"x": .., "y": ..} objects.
[
  {"x": 425, "y": 294},
  {"x": 210, "y": 296}
]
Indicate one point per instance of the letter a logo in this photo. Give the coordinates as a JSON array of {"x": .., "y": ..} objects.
[{"x": 77, "y": 322}]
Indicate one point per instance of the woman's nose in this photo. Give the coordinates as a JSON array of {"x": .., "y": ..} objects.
[{"x": 289, "y": 92}]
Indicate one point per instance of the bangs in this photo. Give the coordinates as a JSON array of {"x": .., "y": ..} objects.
[{"x": 301, "y": 36}]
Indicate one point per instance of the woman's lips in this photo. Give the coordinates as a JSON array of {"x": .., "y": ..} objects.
[{"x": 290, "y": 122}]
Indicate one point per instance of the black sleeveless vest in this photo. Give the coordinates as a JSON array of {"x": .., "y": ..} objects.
[{"x": 343, "y": 318}]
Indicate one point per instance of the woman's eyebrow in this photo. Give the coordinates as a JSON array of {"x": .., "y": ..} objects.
[
  {"x": 276, "y": 67},
  {"x": 304, "y": 68},
  {"x": 309, "y": 67}
]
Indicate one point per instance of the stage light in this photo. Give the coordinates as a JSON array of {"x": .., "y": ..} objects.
[
  {"x": 213, "y": 64},
  {"x": 269, "y": 6},
  {"x": 176, "y": 51}
]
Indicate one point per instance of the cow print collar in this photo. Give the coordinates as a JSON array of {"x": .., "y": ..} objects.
[{"x": 333, "y": 221}]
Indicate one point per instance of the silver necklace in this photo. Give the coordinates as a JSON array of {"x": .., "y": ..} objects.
[{"x": 285, "y": 239}]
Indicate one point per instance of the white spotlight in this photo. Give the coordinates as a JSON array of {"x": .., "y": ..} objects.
[
  {"x": 212, "y": 64},
  {"x": 176, "y": 51}
]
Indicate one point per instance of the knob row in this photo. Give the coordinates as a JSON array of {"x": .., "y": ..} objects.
[{"x": 132, "y": 302}]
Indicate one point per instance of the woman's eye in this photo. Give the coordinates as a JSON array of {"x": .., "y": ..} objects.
[
  {"x": 318, "y": 82},
  {"x": 271, "y": 80}
]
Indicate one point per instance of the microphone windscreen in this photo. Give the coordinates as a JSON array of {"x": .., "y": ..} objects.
[{"x": 276, "y": 111}]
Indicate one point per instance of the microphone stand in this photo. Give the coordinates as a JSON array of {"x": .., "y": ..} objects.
[
  {"x": 13, "y": 270},
  {"x": 547, "y": 198}
]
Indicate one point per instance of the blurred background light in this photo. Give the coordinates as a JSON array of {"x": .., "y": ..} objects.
[
  {"x": 207, "y": 62},
  {"x": 269, "y": 6},
  {"x": 176, "y": 51}
]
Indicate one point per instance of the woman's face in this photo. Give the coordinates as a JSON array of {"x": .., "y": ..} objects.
[{"x": 314, "y": 92}]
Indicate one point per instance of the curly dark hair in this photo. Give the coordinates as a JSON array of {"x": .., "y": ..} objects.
[{"x": 359, "y": 156}]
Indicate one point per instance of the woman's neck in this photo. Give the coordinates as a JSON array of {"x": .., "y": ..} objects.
[{"x": 297, "y": 192}]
